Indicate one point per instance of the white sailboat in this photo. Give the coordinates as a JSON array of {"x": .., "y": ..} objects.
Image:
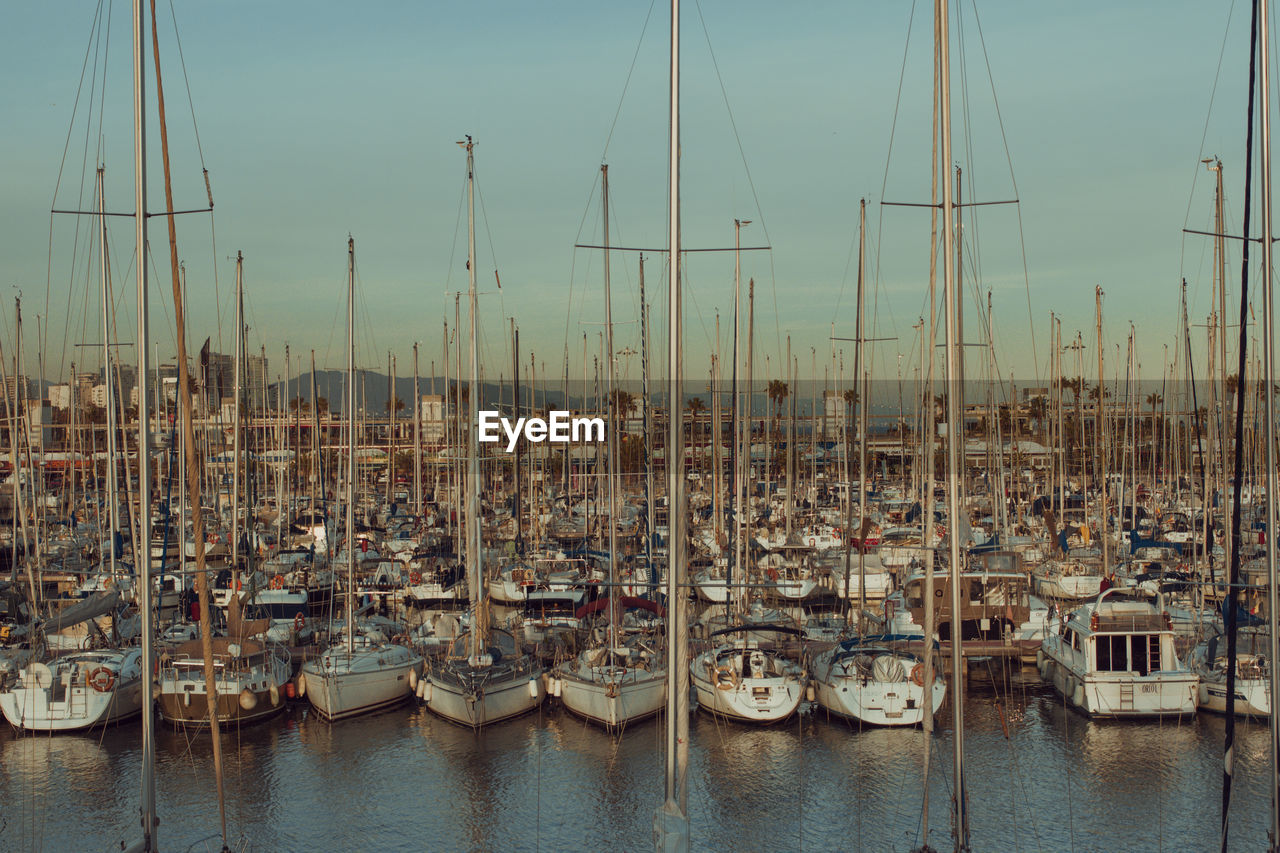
[
  {"x": 613, "y": 683},
  {"x": 875, "y": 680},
  {"x": 74, "y": 692},
  {"x": 486, "y": 676},
  {"x": 1253, "y": 672},
  {"x": 364, "y": 671},
  {"x": 744, "y": 680}
]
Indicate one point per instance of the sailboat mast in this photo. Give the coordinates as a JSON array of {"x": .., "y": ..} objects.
[
  {"x": 114, "y": 502},
  {"x": 417, "y": 436},
  {"x": 1268, "y": 385},
  {"x": 475, "y": 569},
  {"x": 612, "y": 414},
  {"x": 672, "y": 818},
  {"x": 142, "y": 551},
  {"x": 235, "y": 453},
  {"x": 351, "y": 447},
  {"x": 960, "y": 819}
]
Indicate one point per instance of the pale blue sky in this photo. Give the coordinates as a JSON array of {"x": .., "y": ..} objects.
[{"x": 322, "y": 119}]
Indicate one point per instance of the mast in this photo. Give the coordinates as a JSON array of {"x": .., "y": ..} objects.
[
  {"x": 113, "y": 510},
  {"x": 648, "y": 440},
  {"x": 1104, "y": 512},
  {"x": 142, "y": 554},
  {"x": 739, "y": 484},
  {"x": 612, "y": 414},
  {"x": 391, "y": 425},
  {"x": 417, "y": 436},
  {"x": 475, "y": 569},
  {"x": 1268, "y": 376},
  {"x": 672, "y": 821},
  {"x": 959, "y": 812},
  {"x": 236, "y": 448},
  {"x": 351, "y": 448}
]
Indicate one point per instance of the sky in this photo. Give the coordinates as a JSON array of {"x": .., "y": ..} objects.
[{"x": 321, "y": 120}]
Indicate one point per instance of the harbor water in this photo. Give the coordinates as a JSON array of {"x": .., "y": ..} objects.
[{"x": 1040, "y": 777}]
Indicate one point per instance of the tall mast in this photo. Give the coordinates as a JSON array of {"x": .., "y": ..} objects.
[
  {"x": 648, "y": 446},
  {"x": 417, "y": 436},
  {"x": 1268, "y": 380},
  {"x": 1104, "y": 514},
  {"x": 235, "y": 453},
  {"x": 351, "y": 447},
  {"x": 673, "y": 818},
  {"x": 612, "y": 414},
  {"x": 475, "y": 569},
  {"x": 960, "y": 817},
  {"x": 142, "y": 550},
  {"x": 391, "y": 426},
  {"x": 113, "y": 509}
]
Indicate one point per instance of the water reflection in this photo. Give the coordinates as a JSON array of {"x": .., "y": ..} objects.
[{"x": 1041, "y": 777}]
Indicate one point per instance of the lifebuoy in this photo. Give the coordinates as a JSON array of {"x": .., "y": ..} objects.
[
  {"x": 917, "y": 675},
  {"x": 299, "y": 621},
  {"x": 239, "y": 584},
  {"x": 725, "y": 678},
  {"x": 415, "y": 578},
  {"x": 277, "y": 581},
  {"x": 211, "y": 538},
  {"x": 812, "y": 542},
  {"x": 773, "y": 573},
  {"x": 102, "y": 679}
]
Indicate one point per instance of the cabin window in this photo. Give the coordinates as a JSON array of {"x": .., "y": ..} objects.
[
  {"x": 1113, "y": 652},
  {"x": 1138, "y": 653},
  {"x": 1075, "y": 639}
]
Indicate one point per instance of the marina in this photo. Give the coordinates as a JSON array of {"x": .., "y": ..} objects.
[{"x": 696, "y": 574}]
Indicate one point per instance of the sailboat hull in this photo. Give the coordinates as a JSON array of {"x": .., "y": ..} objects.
[
  {"x": 615, "y": 702},
  {"x": 340, "y": 686},
  {"x": 469, "y": 698}
]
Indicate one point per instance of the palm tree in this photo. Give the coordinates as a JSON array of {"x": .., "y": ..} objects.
[
  {"x": 696, "y": 407},
  {"x": 850, "y": 402},
  {"x": 395, "y": 404}
]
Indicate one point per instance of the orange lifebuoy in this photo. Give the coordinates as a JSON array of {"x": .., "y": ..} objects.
[
  {"x": 415, "y": 578},
  {"x": 773, "y": 573},
  {"x": 102, "y": 679},
  {"x": 277, "y": 581},
  {"x": 917, "y": 675},
  {"x": 239, "y": 584},
  {"x": 299, "y": 621}
]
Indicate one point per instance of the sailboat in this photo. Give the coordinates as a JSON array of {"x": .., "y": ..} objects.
[
  {"x": 486, "y": 676},
  {"x": 613, "y": 682},
  {"x": 74, "y": 692},
  {"x": 363, "y": 671},
  {"x": 877, "y": 680}
]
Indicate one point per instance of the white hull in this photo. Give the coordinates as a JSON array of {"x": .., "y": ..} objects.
[
  {"x": 846, "y": 693},
  {"x": 615, "y": 700},
  {"x": 62, "y": 699},
  {"x": 1253, "y": 696},
  {"x": 1071, "y": 587},
  {"x": 476, "y": 701},
  {"x": 712, "y": 589},
  {"x": 1159, "y": 694},
  {"x": 748, "y": 699},
  {"x": 339, "y": 686}
]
